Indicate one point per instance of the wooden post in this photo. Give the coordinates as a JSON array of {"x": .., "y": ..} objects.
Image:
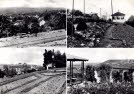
[
  {"x": 70, "y": 73},
  {"x": 82, "y": 70},
  {"x": 72, "y": 69}
]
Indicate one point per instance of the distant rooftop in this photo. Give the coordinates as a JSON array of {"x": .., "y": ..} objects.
[{"x": 118, "y": 14}]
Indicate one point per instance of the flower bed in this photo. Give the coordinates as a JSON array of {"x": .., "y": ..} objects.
[{"x": 103, "y": 89}]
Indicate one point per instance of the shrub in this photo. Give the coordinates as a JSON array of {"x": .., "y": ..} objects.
[
  {"x": 31, "y": 70},
  {"x": 130, "y": 23},
  {"x": 12, "y": 72},
  {"x": 41, "y": 68},
  {"x": 90, "y": 73},
  {"x": 104, "y": 89},
  {"x": 81, "y": 26},
  {"x": 1, "y": 74},
  {"x": 104, "y": 70}
]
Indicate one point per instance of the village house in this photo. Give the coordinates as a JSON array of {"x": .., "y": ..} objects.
[
  {"x": 49, "y": 66},
  {"x": 120, "y": 66},
  {"x": 118, "y": 17},
  {"x": 2, "y": 67},
  {"x": 20, "y": 68}
]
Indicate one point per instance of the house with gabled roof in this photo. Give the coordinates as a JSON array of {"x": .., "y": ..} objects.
[{"x": 121, "y": 66}]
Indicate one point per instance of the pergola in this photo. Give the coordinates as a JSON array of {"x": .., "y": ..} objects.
[{"x": 72, "y": 59}]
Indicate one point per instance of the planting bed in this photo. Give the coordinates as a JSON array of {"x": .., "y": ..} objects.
[
  {"x": 43, "y": 82},
  {"x": 50, "y": 74},
  {"x": 15, "y": 84},
  {"x": 90, "y": 37},
  {"x": 50, "y": 87}
]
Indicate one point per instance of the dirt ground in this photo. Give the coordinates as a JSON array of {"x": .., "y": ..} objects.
[{"x": 52, "y": 38}]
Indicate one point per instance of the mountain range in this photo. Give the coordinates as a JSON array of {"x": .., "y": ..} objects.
[{"x": 22, "y": 10}]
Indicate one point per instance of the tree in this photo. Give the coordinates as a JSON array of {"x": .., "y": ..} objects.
[
  {"x": 56, "y": 58},
  {"x": 81, "y": 26},
  {"x": 116, "y": 76},
  {"x": 128, "y": 76},
  {"x": 105, "y": 72},
  {"x": 70, "y": 28},
  {"x": 25, "y": 66},
  {"x": 60, "y": 59},
  {"x": 57, "y": 21},
  {"x": 77, "y": 13},
  {"x": 12, "y": 72},
  {"x": 6, "y": 70},
  {"x": 1, "y": 74},
  {"x": 90, "y": 75},
  {"x": 35, "y": 28},
  {"x": 130, "y": 21},
  {"x": 47, "y": 57}
]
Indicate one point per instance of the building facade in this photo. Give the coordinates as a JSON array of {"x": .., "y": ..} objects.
[{"x": 118, "y": 17}]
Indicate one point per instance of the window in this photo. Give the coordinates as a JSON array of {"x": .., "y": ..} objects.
[
  {"x": 114, "y": 18},
  {"x": 118, "y": 17},
  {"x": 122, "y": 17}
]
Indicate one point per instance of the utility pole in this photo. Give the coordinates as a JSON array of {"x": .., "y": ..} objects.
[
  {"x": 84, "y": 9},
  {"x": 100, "y": 13},
  {"x": 106, "y": 16},
  {"x": 72, "y": 18},
  {"x": 112, "y": 8}
]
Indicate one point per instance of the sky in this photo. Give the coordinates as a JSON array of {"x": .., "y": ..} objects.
[
  {"x": 31, "y": 3},
  {"x": 100, "y": 55},
  {"x": 124, "y": 6},
  {"x": 24, "y": 55}
]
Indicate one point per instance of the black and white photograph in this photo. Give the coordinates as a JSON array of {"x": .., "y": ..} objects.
[
  {"x": 66, "y": 46},
  {"x": 100, "y": 71},
  {"x": 100, "y": 23},
  {"x": 32, "y": 71},
  {"x": 26, "y": 23}
]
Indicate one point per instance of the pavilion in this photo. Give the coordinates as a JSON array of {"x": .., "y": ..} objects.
[{"x": 73, "y": 59}]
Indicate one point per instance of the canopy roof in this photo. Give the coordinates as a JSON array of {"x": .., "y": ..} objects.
[
  {"x": 75, "y": 58},
  {"x": 118, "y": 14}
]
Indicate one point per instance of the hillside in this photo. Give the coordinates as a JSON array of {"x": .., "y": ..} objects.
[
  {"x": 131, "y": 18},
  {"x": 120, "y": 63},
  {"x": 22, "y": 10}
]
